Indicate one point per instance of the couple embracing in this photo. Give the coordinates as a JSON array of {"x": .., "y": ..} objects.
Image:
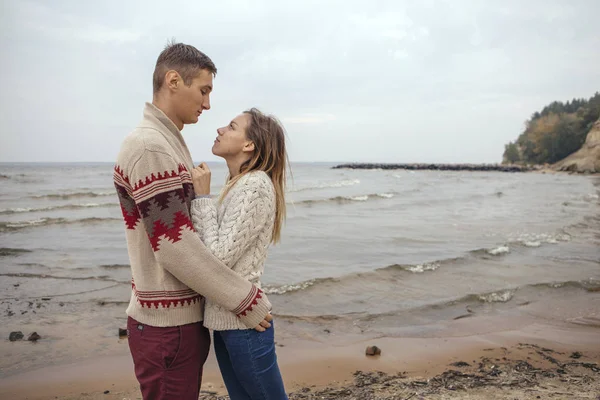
[{"x": 196, "y": 260}]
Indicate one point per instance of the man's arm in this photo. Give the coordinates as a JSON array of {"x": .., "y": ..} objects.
[{"x": 159, "y": 188}]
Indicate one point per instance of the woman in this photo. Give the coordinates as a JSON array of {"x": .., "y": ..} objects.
[{"x": 238, "y": 230}]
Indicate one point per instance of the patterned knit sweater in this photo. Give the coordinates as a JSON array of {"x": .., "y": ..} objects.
[
  {"x": 171, "y": 268},
  {"x": 238, "y": 232}
]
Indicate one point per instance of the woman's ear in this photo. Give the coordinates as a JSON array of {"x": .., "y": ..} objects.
[{"x": 248, "y": 147}]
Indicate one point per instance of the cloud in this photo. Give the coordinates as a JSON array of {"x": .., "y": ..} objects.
[
  {"x": 45, "y": 20},
  {"x": 309, "y": 119},
  {"x": 434, "y": 80}
]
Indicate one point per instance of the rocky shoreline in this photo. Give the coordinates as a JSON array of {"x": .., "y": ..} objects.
[
  {"x": 526, "y": 371},
  {"x": 438, "y": 167}
]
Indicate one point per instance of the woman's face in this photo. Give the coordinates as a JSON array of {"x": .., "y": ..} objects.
[{"x": 231, "y": 141}]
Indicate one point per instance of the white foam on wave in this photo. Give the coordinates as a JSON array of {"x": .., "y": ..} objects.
[
  {"x": 499, "y": 250},
  {"x": 385, "y": 195},
  {"x": 420, "y": 268},
  {"x": 288, "y": 288},
  {"x": 358, "y": 198},
  {"x": 497, "y": 297},
  {"x": 538, "y": 239},
  {"x": 20, "y": 210},
  {"x": 327, "y": 185},
  {"x": 15, "y": 210},
  {"x": 532, "y": 244},
  {"x": 22, "y": 224}
]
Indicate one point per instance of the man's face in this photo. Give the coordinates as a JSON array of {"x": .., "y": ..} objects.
[{"x": 191, "y": 101}]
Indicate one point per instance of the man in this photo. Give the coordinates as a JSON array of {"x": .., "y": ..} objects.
[{"x": 172, "y": 271}]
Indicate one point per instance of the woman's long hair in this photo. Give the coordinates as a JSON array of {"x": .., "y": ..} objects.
[{"x": 270, "y": 156}]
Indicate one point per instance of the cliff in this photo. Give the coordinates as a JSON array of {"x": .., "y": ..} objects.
[{"x": 586, "y": 159}]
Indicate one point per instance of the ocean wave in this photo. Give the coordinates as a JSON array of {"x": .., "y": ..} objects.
[
  {"x": 326, "y": 185},
  {"x": 502, "y": 296},
  {"x": 7, "y": 251},
  {"x": 15, "y": 226},
  {"x": 417, "y": 268},
  {"x": 295, "y": 287},
  {"x": 348, "y": 199},
  {"x": 420, "y": 268},
  {"x": 494, "y": 251},
  {"x": 103, "y": 278},
  {"x": 590, "y": 285},
  {"x": 115, "y": 266},
  {"x": 499, "y": 250},
  {"x": 538, "y": 239},
  {"x": 591, "y": 197},
  {"x": 74, "y": 195},
  {"x": 21, "y": 210}
]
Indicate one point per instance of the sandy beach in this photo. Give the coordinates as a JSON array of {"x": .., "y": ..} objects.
[
  {"x": 435, "y": 170},
  {"x": 474, "y": 285},
  {"x": 549, "y": 350}
]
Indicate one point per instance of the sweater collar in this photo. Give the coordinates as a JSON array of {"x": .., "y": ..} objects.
[
  {"x": 171, "y": 133},
  {"x": 150, "y": 110}
]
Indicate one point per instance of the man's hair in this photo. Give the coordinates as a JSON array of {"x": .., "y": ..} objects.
[{"x": 187, "y": 60}]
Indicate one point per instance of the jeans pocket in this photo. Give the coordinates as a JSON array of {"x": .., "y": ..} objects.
[
  {"x": 268, "y": 336},
  {"x": 171, "y": 345},
  {"x": 135, "y": 339}
]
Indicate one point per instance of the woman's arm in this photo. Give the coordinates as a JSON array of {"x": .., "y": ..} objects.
[{"x": 251, "y": 207}]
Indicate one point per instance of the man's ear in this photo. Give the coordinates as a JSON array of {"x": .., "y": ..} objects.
[
  {"x": 173, "y": 80},
  {"x": 249, "y": 147}
]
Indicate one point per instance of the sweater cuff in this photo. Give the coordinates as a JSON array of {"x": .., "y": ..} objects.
[
  {"x": 202, "y": 201},
  {"x": 256, "y": 311}
]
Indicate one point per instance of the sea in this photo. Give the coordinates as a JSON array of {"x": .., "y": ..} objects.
[{"x": 365, "y": 253}]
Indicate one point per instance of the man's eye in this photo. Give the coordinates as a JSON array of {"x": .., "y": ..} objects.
[
  {"x": 230, "y": 126},
  {"x": 203, "y": 92}
]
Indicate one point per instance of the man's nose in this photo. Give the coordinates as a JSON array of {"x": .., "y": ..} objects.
[{"x": 206, "y": 103}]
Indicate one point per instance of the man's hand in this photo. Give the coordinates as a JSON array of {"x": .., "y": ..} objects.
[
  {"x": 264, "y": 325},
  {"x": 201, "y": 179}
]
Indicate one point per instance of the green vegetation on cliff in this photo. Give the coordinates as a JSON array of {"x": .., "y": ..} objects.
[{"x": 554, "y": 133}]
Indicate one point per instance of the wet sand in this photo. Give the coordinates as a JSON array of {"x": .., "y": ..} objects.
[{"x": 553, "y": 353}]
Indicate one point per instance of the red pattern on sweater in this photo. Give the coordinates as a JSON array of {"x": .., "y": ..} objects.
[
  {"x": 173, "y": 232},
  {"x": 165, "y": 299},
  {"x": 163, "y": 212},
  {"x": 253, "y": 302}
]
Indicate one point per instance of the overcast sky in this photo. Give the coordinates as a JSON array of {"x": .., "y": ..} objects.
[{"x": 385, "y": 81}]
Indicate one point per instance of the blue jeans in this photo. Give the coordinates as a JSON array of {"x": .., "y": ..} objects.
[{"x": 249, "y": 365}]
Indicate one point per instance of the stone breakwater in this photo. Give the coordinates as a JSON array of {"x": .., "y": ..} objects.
[{"x": 438, "y": 167}]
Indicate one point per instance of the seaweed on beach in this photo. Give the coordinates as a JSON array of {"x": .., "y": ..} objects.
[{"x": 540, "y": 375}]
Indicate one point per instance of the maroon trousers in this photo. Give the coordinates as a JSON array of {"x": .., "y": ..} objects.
[{"x": 168, "y": 361}]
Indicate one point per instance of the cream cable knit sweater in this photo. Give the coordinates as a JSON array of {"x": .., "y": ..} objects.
[{"x": 238, "y": 232}]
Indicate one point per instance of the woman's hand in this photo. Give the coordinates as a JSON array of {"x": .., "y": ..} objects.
[
  {"x": 265, "y": 323},
  {"x": 201, "y": 179}
]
